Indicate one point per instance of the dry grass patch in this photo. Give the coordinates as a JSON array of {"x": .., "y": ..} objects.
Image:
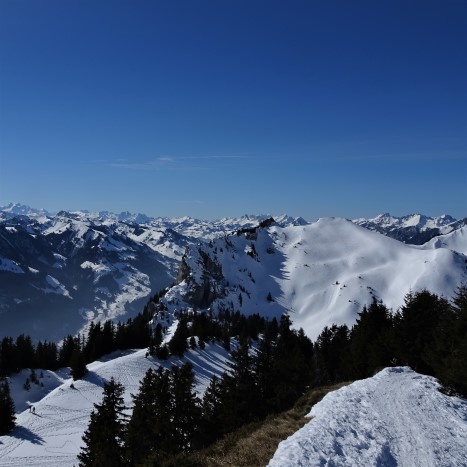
[{"x": 255, "y": 444}]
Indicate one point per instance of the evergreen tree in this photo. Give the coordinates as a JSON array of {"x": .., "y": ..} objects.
[
  {"x": 25, "y": 351},
  {"x": 186, "y": 408},
  {"x": 415, "y": 329},
  {"x": 211, "y": 408},
  {"x": 150, "y": 430},
  {"x": 331, "y": 354},
  {"x": 66, "y": 350},
  {"x": 77, "y": 364},
  {"x": 369, "y": 346},
  {"x": 140, "y": 438},
  {"x": 9, "y": 358},
  {"x": 241, "y": 397},
  {"x": 178, "y": 344},
  {"x": 104, "y": 436},
  {"x": 448, "y": 354},
  {"x": 7, "y": 408}
]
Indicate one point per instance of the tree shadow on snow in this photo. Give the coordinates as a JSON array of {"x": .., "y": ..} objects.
[
  {"x": 94, "y": 378},
  {"x": 26, "y": 434}
]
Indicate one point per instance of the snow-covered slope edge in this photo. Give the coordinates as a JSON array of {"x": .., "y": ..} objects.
[{"x": 397, "y": 417}]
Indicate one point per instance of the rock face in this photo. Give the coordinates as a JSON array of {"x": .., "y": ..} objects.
[{"x": 205, "y": 288}]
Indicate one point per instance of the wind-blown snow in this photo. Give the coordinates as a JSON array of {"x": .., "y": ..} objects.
[{"x": 396, "y": 418}]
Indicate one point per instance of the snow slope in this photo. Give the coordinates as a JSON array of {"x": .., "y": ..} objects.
[
  {"x": 52, "y": 436},
  {"x": 455, "y": 241},
  {"x": 334, "y": 267},
  {"x": 322, "y": 273},
  {"x": 396, "y": 418}
]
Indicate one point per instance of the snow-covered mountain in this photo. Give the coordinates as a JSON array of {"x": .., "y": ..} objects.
[
  {"x": 58, "y": 271},
  {"x": 322, "y": 273},
  {"x": 455, "y": 240},
  {"x": 415, "y": 229},
  {"x": 398, "y": 417}
]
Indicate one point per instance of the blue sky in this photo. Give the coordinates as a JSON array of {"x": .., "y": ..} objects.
[{"x": 219, "y": 108}]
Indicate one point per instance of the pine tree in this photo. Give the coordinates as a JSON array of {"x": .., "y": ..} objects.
[
  {"x": 140, "y": 436},
  {"x": 242, "y": 398},
  {"x": 211, "y": 407},
  {"x": 415, "y": 328},
  {"x": 150, "y": 429},
  {"x": 448, "y": 354},
  {"x": 178, "y": 344},
  {"x": 77, "y": 364},
  {"x": 7, "y": 408},
  {"x": 104, "y": 436},
  {"x": 369, "y": 346},
  {"x": 186, "y": 408}
]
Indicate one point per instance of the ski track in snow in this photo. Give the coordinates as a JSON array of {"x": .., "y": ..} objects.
[{"x": 396, "y": 418}]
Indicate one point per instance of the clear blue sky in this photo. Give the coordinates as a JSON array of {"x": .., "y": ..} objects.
[{"x": 219, "y": 108}]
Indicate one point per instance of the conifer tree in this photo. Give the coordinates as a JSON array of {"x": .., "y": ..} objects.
[
  {"x": 369, "y": 346},
  {"x": 104, "y": 436},
  {"x": 141, "y": 437},
  {"x": 211, "y": 411},
  {"x": 448, "y": 354},
  {"x": 77, "y": 364},
  {"x": 7, "y": 408},
  {"x": 178, "y": 344},
  {"x": 150, "y": 429},
  {"x": 415, "y": 328},
  {"x": 186, "y": 408}
]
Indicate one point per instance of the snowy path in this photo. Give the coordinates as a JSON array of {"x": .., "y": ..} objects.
[{"x": 396, "y": 418}]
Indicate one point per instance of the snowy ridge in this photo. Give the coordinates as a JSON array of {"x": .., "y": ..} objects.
[
  {"x": 413, "y": 229},
  {"x": 322, "y": 273},
  {"x": 455, "y": 241},
  {"x": 86, "y": 266},
  {"x": 398, "y": 417}
]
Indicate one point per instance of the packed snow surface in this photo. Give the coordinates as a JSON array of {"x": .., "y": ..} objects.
[{"x": 396, "y": 418}]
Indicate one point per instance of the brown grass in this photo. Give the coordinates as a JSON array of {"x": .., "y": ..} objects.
[{"x": 254, "y": 445}]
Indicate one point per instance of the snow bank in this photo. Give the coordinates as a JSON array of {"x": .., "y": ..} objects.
[{"x": 396, "y": 418}]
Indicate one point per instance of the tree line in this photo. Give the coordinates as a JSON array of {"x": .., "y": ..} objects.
[
  {"x": 169, "y": 420},
  {"x": 428, "y": 333}
]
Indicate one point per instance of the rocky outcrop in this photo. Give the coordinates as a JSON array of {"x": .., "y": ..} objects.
[{"x": 208, "y": 286}]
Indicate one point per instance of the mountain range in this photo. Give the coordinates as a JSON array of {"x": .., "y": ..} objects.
[{"x": 60, "y": 271}]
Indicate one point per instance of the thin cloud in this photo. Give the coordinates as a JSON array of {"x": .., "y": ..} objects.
[
  {"x": 134, "y": 165},
  {"x": 220, "y": 156},
  {"x": 167, "y": 162}
]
